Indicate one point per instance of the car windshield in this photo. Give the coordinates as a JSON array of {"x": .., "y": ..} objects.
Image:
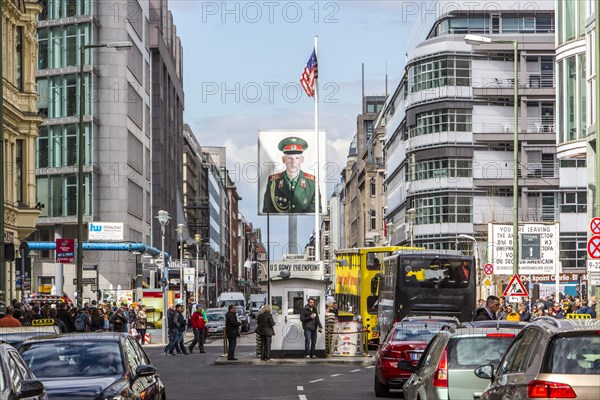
[
  {"x": 470, "y": 352},
  {"x": 573, "y": 354},
  {"x": 215, "y": 317},
  {"x": 73, "y": 359},
  {"x": 415, "y": 332}
]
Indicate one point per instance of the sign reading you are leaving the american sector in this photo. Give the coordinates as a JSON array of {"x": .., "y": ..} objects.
[{"x": 538, "y": 248}]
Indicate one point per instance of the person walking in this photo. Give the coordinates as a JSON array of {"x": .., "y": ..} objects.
[
  {"x": 141, "y": 324},
  {"x": 310, "y": 322},
  {"x": 198, "y": 326},
  {"x": 488, "y": 312},
  {"x": 264, "y": 328},
  {"x": 232, "y": 331},
  {"x": 175, "y": 333}
]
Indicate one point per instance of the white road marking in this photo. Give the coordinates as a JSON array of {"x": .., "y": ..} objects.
[
  {"x": 355, "y": 370},
  {"x": 334, "y": 375},
  {"x": 302, "y": 397},
  {"x": 300, "y": 388},
  {"x": 316, "y": 380},
  {"x": 370, "y": 366}
]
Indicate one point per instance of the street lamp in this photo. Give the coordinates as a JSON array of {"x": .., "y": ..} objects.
[
  {"x": 198, "y": 241},
  {"x": 181, "y": 229},
  {"x": 163, "y": 218},
  {"x": 474, "y": 40},
  {"x": 80, "y": 146}
]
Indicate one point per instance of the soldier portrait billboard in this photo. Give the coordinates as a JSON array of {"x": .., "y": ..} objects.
[{"x": 287, "y": 171}]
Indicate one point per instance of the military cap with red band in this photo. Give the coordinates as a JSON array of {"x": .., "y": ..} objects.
[{"x": 293, "y": 145}]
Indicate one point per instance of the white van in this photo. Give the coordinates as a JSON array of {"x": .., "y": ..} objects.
[{"x": 228, "y": 298}]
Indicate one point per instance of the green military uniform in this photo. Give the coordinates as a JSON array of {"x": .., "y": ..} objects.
[{"x": 285, "y": 195}]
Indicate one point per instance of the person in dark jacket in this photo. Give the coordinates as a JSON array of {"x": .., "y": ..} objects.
[
  {"x": 264, "y": 328},
  {"x": 65, "y": 317},
  {"x": 175, "y": 332},
  {"x": 310, "y": 322},
  {"x": 488, "y": 312},
  {"x": 232, "y": 331},
  {"x": 119, "y": 321}
]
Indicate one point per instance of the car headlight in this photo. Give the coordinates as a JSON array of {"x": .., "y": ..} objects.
[{"x": 117, "y": 391}]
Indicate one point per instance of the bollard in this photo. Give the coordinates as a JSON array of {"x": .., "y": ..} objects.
[
  {"x": 224, "y": 344},
  {"x": 366, "y": 340}
]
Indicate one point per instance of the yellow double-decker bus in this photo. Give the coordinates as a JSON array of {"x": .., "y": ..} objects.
[{"x": 357, "y": 279}]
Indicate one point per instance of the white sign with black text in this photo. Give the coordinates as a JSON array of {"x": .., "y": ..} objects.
[
  {"x": 298, "y": 269},
  {"x": 538, "y": 248}
]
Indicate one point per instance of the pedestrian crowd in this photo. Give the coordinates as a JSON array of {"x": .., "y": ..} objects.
[
  {"x": 92, "y": 317},
  {"x": 497, "y": 308}
]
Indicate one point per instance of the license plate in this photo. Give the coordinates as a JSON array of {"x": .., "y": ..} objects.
[
  {"x": 415, "y": 356},
  {"x": 212, "y": 329}
]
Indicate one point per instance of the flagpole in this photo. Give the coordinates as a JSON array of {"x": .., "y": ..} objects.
[{"x": 318, "y": 169}]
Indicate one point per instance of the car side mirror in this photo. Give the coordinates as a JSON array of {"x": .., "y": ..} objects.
[
  {"x": 407, "y": 366},
  {"x": 30, "y": 388},
  {"x": 144, "y": 370},
  {"x": 485, "y": 372}
]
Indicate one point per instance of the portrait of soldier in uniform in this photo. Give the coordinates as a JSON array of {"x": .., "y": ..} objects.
[{"x": 293, "y": 190}]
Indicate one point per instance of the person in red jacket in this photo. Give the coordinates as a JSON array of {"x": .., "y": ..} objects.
[{"x": 198, "y": 325}]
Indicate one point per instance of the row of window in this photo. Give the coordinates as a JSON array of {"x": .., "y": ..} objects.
[
  {"x": 442, "y": 120},
  {"x": 59, "y": 194},
  {"x": 57, "y": 146},
  {"x": 58, "y": 47},
  {"x": 496, "y": 24},
  {"x": 57, "y": 9},
  {"x": 439, "y": 72},
  {"x": 570, "y": 17},
  {"x": 440, "y": 168},
  {"x": 443, "y": 209},
  {"x": 572, "y": 99},
  {"x": 58, "y": 96}
]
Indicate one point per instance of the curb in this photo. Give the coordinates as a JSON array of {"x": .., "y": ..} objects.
[{"x": 296, "y": 361}]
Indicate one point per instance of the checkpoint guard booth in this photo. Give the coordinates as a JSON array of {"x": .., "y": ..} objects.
[{"x": 289, "y": 295}]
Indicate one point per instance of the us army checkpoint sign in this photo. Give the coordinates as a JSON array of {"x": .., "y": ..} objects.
[{"x": 538, "y": 248}]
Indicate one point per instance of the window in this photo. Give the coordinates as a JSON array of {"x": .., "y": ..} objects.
[
  {"x": 573, "y": 202},
  {"x": 59, "y": 45},
  {"x": 572, "y": 353},
  {"x": 373, "y": 218},
  {"x": 19, "y": 59},
  {"x": 59, "y": 194},
  {"x": 135, "y": 106},
  {"x": 372, "y": 187},
  {"x": 517, "y": 356},
  {"x": 444, "y": 209},
  {"x": 573, "y": 250},
  {"x": 442, "y": 120},
  {"x": 19, "y": 171},
  {"x": 441, "y": 168},
  {"x": 470, "y": 352},
  {"x": 135, "y": 199},
  {"x": 135, "y": 153},
  {"x": 57, "y": 145},
  {"x": 59, "y": 95},
  {"x": 439, "y": 72}
]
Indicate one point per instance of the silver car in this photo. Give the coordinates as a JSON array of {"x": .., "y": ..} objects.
[
  {"x": 551, "y": 358},
  {"x": 445, "y": 370}
]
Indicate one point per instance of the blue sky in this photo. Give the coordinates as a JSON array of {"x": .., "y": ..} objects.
[{"x": 242, "y": 64}]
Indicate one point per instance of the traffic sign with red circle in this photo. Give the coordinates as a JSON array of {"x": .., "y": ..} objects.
[
  {"x": 488, "y": 269},
  {"x": 595, "y": 225},
  {"x": 593, "y": 247}
]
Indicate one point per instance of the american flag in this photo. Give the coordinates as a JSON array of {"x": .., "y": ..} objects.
[{"x": 310, "y": 75}]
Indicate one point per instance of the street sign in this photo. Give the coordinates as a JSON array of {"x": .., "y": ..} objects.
[
  {"x": 593, "y": 265},
  {"x": 595, "y": 225},
  {"x": 515, "y": 288},
  {"x": 593, "y": 247},
  {"x": 487, "y": 282},
  {"x": 488, "y": 269}
]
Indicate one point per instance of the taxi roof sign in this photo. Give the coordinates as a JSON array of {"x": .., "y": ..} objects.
[{"x": 42, "y": 322}]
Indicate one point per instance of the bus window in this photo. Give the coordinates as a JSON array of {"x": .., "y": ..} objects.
[
  {"x": 373, "y": 263},
  {"x": 372, "y": 304},
  {"x": 437, "y": 273}
]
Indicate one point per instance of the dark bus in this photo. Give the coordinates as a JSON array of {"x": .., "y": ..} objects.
[{"x": 426, "y": 282}]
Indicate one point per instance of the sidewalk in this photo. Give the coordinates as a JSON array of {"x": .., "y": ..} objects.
[{"x": 246, "y": 355}]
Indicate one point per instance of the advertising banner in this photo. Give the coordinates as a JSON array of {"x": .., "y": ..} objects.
[
  {"x": 105, "y": 231},
  {"x": 65, "y": 251},
  {"x": 287, "y": 162}
]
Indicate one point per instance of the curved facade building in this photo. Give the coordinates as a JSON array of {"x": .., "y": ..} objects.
[{"x": 450, "y": 124}]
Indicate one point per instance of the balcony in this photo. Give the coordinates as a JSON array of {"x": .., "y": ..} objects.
[
  {"x": 541, "y": 125},
  {"x": 541, "y": 79},
  {"x": 543, "y": 214},
  {"x": 543, "y": 169}
]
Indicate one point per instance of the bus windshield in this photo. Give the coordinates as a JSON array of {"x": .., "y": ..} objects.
[{"x": 436, "y": 272}]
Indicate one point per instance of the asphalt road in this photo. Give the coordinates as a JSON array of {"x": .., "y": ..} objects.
[{"x": 196, "y": 377}]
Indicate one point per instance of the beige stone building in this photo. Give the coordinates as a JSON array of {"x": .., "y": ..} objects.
[
  {"x": 363, "y": 197},
  {"x": 20, "y": 127}
]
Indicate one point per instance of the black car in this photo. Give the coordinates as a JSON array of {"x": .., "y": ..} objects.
[
  {"x": 16, "y": 379},
  {"x": 98, "y": 365}
]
